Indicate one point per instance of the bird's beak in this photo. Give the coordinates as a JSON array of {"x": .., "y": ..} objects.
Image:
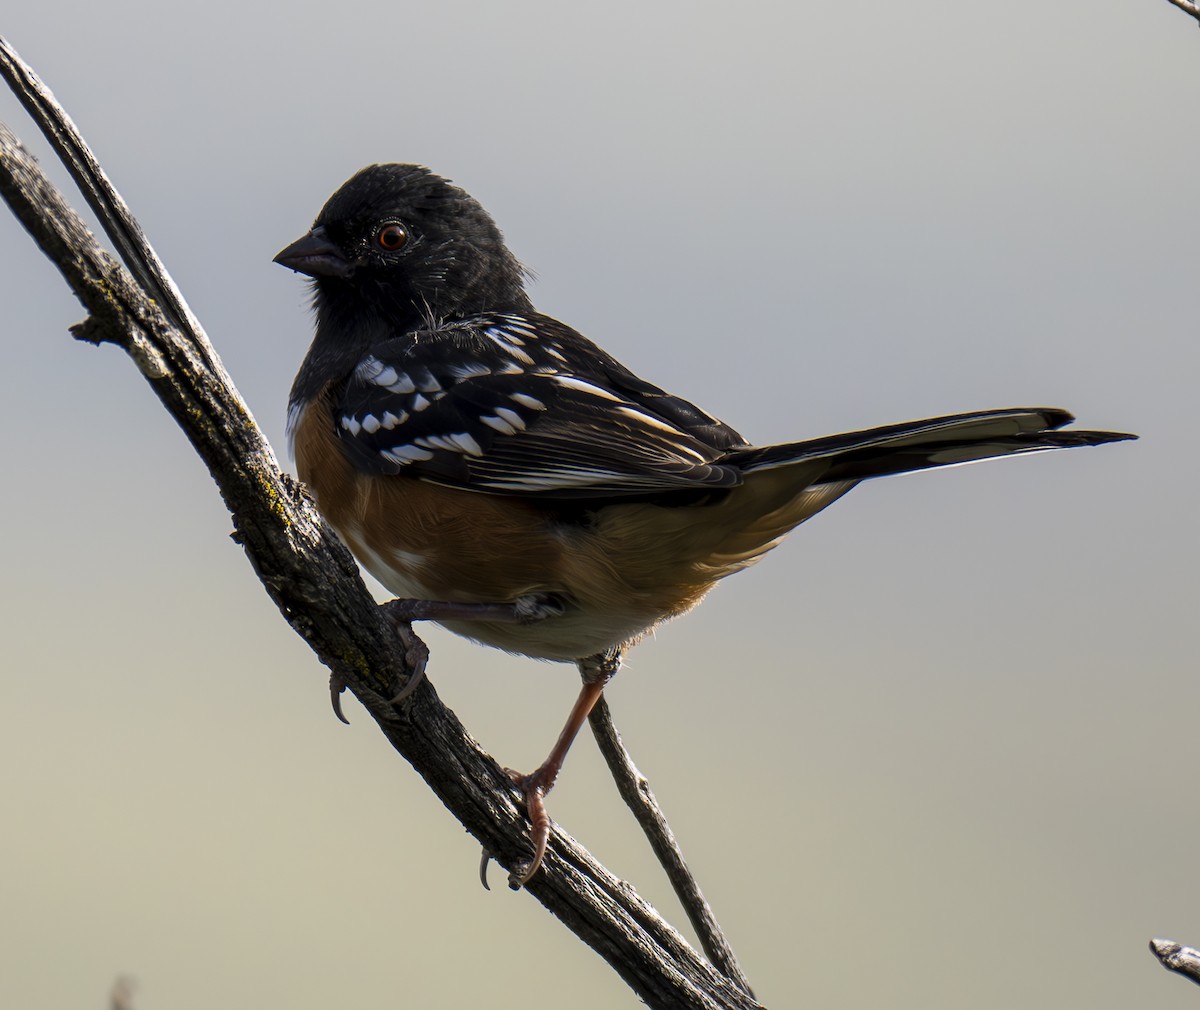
[{"x": 316, "y": 256}]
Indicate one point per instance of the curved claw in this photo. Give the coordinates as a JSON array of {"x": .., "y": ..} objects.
[
  {"x": 336, "y": 687},
  {"x": 416, "y": 655},
  {"x": 484, "y": 858},
  {"x": 535, "y": 787}
]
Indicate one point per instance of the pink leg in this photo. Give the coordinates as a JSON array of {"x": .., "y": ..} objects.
[{"x": 597, "y": 671}]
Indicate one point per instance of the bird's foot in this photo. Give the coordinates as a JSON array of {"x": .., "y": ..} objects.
[
  {"x": 596, "y": 672},
  {"x": 416, "y": 657},
  {"x": 534, "y": 786},
  {"x": 526, "y": 610}
]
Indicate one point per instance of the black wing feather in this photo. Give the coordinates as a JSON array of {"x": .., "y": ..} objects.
[{"x": 515, "y": 406}]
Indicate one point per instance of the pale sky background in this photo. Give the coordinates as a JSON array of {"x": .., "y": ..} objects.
[{"x": 936, "y": 752}]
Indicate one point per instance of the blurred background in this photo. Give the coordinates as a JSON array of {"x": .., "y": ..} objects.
[{"x": 937, "y": 751}]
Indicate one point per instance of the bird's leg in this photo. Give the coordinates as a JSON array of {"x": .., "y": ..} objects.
[
  {"x": 525, "y": 610},
  {"x": 534, "y": 607},
  {"x": 596, "y": 671}
]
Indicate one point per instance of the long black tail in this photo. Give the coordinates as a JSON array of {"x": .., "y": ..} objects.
[{"x": 933, "y": 442}]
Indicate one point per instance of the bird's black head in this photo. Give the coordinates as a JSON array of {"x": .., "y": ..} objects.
[{"x": 398, "y": 247}]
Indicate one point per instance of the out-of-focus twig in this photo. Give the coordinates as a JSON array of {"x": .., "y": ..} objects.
[{"x": 121, "y": 995}]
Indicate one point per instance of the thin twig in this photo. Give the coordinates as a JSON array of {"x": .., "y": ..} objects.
[
  {"x": 118, "y": 223},
  {"x": 1176, "y": 957},
  {"x": 636, "y": 793},
  {"x": 1187, "y": 8},
  {"x": 315, "y": 583}
]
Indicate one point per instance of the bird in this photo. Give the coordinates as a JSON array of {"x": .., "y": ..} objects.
[{"x": 510, "y": 480}]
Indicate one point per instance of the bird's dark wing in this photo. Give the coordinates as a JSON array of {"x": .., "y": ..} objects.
[
  {"x": 584, "y": 358},
  {"x": 505, "y": 406}
]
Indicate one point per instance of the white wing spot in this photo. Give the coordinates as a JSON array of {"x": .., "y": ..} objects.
[
  {"x": 518, "y": 325},
  {"x": 470, "y": 370},
  {"x": 391, "y": 421},
  {"x": 351, "y": 424},
  {"x": 467, "y": 444},
  {"x": 403, "y": 384},
  {"x": 525, "y": 400},
  {"x": 419, "y": 402},
  {"x": 519, "y": 354},
  {"x": 501, "y": 339},
  {"x": 647, "y": 419},
  {"x": 512, "y": 417},
  {"x": 584, "y": 387},
  {"x": 406, "y": 454},
  {"x": 370, "y": 424},
  {"x": 497, "y": 424},
  {"x": 459, "y": 442}
]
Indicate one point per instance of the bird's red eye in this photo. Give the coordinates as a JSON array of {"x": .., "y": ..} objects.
[{"x": 392, "y": 237}]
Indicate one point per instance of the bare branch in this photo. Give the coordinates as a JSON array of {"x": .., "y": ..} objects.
[
  {"x": 1187, "y": 7},
  {"x": 636, "y": 793},
  {"x": 316, "y": 585},
  {"x": 1177, "y": 958}
]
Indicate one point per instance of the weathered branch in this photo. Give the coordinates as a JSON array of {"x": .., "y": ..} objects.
[
  {"x": 1176, "y": 957},
  {"x": 315, "y": 583},
  {"x": 1187, "y": 7}
]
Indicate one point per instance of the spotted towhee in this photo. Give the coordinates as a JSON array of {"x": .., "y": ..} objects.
[{"x": 515, "y": 483}]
